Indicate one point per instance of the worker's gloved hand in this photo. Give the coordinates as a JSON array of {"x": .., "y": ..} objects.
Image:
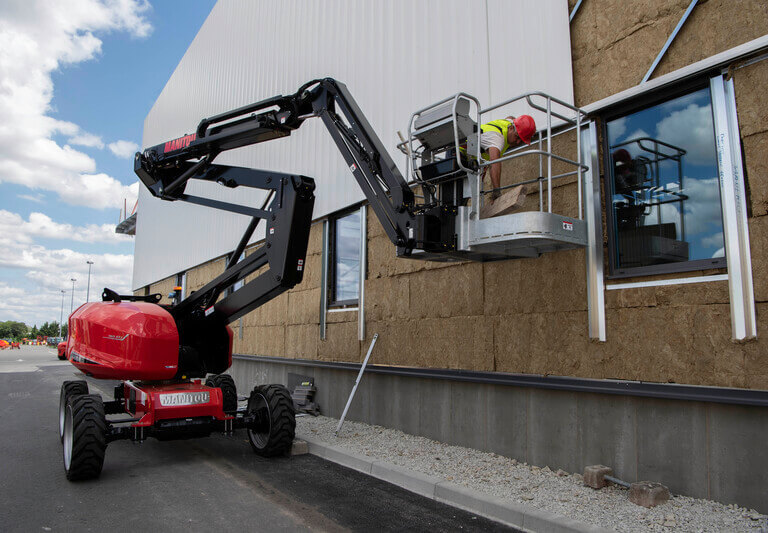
[{"x": 495, "y": 194}]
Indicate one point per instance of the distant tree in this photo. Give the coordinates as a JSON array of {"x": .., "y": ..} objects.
[
  {"x": 64, "y": 331},
  {"x": 12, "y": 330},
  {"x": 34, "y": 332},
  {"x": 18, "y": 330}
]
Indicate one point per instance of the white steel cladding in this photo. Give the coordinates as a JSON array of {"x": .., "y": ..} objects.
[{"x": 395, "y": 57}]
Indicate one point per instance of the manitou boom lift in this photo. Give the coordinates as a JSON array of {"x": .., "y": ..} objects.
[{"x": 162, "y": 353}]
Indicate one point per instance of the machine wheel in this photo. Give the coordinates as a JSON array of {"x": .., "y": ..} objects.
[
  {"x": 68, "y": 390},
  {"x": 276, "y": 420},
  {"x": 228, "y": 390},
  {"x": 84, "y": 437}
]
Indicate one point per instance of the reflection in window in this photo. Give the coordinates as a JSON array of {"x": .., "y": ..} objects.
[
  {"x": 665, "y": 191},
  {"x": 346, "y": 259}
]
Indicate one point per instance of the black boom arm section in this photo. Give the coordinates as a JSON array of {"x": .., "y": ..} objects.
[{"x": 166, "y": 168}]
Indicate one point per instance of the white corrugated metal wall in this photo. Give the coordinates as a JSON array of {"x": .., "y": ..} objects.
[{"x": 395, "y": 56}]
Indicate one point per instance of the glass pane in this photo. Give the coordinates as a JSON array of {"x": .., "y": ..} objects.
[
  {"x": 665, "y": 190},
  {"x": 347, "y": 257}
]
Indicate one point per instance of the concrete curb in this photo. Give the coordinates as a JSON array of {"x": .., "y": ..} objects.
[{"x": 449, "y": 493}]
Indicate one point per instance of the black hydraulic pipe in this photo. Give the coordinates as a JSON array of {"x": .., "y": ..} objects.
[{"x": 181, "y": 180}]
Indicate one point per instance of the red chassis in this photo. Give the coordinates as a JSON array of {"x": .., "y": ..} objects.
[{"x": 164, "y": 395}]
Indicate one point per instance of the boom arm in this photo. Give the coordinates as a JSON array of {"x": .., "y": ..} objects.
[{"x": 166, "y": 168}]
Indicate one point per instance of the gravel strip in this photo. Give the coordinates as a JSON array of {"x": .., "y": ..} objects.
[{"x": 556, "y": 492}]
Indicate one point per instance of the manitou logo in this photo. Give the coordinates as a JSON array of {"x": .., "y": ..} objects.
[{"x": 178, "y": 144}]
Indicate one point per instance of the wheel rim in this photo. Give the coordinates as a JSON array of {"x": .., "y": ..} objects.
[
  {"x": 260, "y": 406},
  {"x": 62, "y": 413},
  {"x": 68, "y": 437}
]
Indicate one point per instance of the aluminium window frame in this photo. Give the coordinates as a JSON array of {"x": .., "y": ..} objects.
[
  {"x": 332, "y": 302},
  {"x": 642, "y": 102}
]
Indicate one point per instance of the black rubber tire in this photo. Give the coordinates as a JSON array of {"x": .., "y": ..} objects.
[
  {"x": 228, "y": 390},
  {"x": 68, "y": 390},
  {"x": 61, "y": 357},
  {"x": 85, "y": 443},
  {"x": 275, "y": 406}
]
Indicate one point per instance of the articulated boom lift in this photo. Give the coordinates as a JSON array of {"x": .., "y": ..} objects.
[{"x": 162, "y": 353}]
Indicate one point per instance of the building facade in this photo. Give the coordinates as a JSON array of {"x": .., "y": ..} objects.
[{"x": 644, "y": 351}]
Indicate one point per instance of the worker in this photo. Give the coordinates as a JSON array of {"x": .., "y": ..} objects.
[{"x": 497, "y": 137}]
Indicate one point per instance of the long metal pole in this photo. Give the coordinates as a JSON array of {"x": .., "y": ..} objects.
[
  {"x": 61, "y": 315},
  {"x": 357, "y": 382},
  {"x": 88, "y": 290},
  {"x": 72, "y": 300}
]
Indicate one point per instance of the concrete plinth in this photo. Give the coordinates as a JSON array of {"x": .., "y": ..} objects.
[
  {"x": 594, "y": 476},
  {"x": 299, "y": 447},
  {"x": 648, "y": 493}
]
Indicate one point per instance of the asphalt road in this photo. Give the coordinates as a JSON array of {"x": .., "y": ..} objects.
[{"x": 189, "y": 485}]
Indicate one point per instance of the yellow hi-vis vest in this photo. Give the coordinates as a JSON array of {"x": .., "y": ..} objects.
[{"x": 498, "y": 126}]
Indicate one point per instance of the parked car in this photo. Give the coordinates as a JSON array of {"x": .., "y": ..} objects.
[{"x": 62, "y": 350}]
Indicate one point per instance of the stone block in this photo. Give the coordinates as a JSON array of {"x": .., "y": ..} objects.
[
  {"x": 648, "y": 493},
  {"x": 263, "y": 340},
  {"x": 501, "y": 285},
  {"x": 313, "y": 272},
  {"x": 758, "y": 240},
  {"x": 345, "y": 315},
  {"x": 304, "y": 306},
  {"x": 299, "y": 447},
  {"x": 714, "y": 27},
  {"x": 383, "y": 261},
  {"x": 272, "y": 313},
  {"x": 756, "y": 164},
  {"x": 163, "y": 287},
  {"x": 315, "y": 243},
  {"x": 594, "y": 476},
  {"x": 750, "y": 107},
  {"x": 340, "y": 343},
  {"x": 449, "y": 292},
  {"x": 375, "y": 229},
  {"x": 387, "y": 298},
  {"x": 301, "y": 341}
]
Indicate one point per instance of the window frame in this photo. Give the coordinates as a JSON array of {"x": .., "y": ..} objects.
[
  {"x": 334, "y": 303},
  {"x": 641, "y": 103}
]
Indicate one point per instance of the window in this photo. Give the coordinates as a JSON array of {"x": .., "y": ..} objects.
[
  {"x": 664, "y": 213},
  {"x": 344, "y": 267}
]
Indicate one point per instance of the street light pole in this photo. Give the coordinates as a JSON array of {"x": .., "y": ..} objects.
[
  {"x": 72, "y": 300},
  {"x": 88, "y": 290},
  {"x": 61, "y": 316}
]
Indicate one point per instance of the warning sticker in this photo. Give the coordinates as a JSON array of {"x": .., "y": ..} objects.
[
  {"x": 353, "y": 167},
  {"x": 567, "y": 226}
]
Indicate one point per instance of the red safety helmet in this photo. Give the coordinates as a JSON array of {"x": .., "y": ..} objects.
[
  {"x": 621, "y": 157},
  {"x": 525, "y": 127}
]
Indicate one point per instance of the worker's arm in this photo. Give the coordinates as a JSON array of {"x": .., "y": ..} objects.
[{"x": 493, "y": 154}]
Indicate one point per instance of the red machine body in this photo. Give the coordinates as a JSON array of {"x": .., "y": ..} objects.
[
  {"x": 124, "y": 340},
  {"x": 151, "y": 403}
]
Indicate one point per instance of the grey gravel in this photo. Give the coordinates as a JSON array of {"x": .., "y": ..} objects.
[{"x": 535, "y": 487}]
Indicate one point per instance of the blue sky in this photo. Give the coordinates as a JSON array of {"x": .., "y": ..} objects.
[{"x": 77, "y": 78}]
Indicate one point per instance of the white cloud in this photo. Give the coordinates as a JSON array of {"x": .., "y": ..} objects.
[
  {"x": 87, "y": 139},
  {"x": 36, "y": 38},
  {"x": 690, "y": 129},
  {"x": 715, "y": 239},
  {"x": 49, "y": 272},
  {"x": 124, "y": 149},
  {"x": 617, "y": 128},
  {"x": 37, "y": 198},
  {"x": 14, "y": 230}
]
